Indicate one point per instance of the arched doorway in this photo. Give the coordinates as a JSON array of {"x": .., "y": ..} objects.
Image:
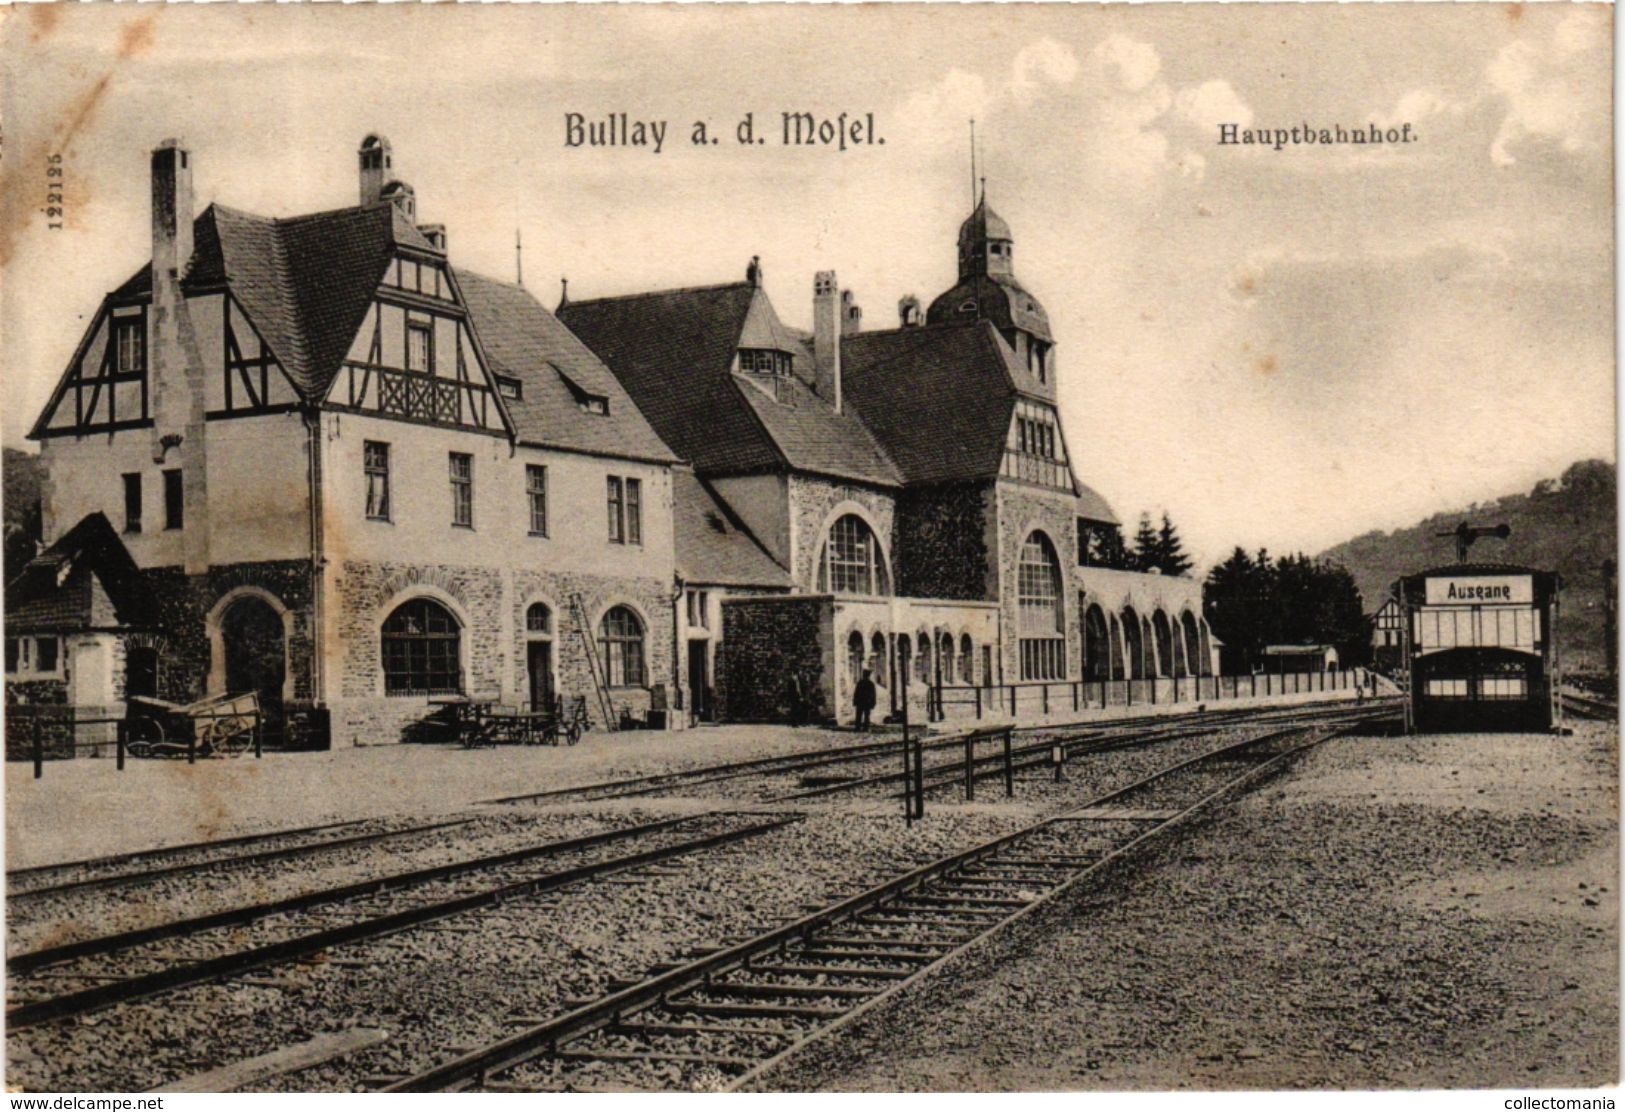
[
  {"x": 1193, "y": 643},
  {"x": 255, "y": 655},
  {"x": 1164, "y": 640},
  {"x": 1097, "y": 663},
  {"x": 539, "y": 656},
  {"x": 1134, "y": 644}
]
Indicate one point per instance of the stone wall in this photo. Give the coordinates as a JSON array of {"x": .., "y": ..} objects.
[
  {"x": 490, "y": 603},
  {"x": 767, "y": 645},
  {"x": 943, "y": 540}
]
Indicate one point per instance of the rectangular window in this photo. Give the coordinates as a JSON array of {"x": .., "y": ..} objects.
[
  {"x": 419, "y": 347},
  {"x": 16, "y": 647},
  {"x": 45, "y": 655},
  {"x": 510, "y": 388},
  {"x": 634, "y": 511},
  {"x": 462, "y": 489},
  {"x": 617, "y": 512},
  {"x": 131, "y": 353},
  {"x": 132, "y": 503},
  {"x": 699, "y": 609},
  {"x": 536, "y": 495},
  {"x": 174, "y": 500},
  {"x": 375, "y": 461}
]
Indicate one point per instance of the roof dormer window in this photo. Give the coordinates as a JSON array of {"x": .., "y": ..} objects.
[
  {"x": 510, "y": 388},
  {"x": 764, "y": 361},
  {"x": 586, "y": 400}
]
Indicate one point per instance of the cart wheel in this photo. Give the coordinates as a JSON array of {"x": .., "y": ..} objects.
[
  {"x": 145, "y": 734},
  {"x": 572, "y": 733},
  {"x": 233, "y": 735}
]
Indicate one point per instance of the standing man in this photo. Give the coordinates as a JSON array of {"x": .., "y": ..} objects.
[{"x": 863, "y": 700}]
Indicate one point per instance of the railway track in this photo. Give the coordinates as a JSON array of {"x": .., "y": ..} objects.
[
  {"x": 1590, "y": 707},
  {"x": 24, "y": 886},
  {"x": 883, "y": 754},
  {"x": 84, "y": 976},
  {"x": 720, "y": 1019}
]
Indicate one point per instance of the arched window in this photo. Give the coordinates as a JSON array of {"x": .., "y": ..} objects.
[
  {"x": 877, "y": 658},
  {"x": 1043, "y": 619},
  {"x": 945, "y": 657},
  {"x": 922, "y": 658},
  {"x": 851, "y": 562},
  {"x": 421, "y": 650},
  {"x": 620, "y": 646},
  {"x": 854, "y": 656},
  {"x": 967, "y": 659},
  {"x": 538, "y": 619}
]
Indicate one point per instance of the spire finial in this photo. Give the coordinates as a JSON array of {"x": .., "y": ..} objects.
[
  {"x": 564, "y": 292},
  {"x": 983, "y": 180},
  {"x": 518, "y": 258},
  {"x": 973, "y": 162}
]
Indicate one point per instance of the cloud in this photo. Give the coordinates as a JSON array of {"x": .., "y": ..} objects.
[
  {"x": 1544, "y": 83},
  {"x": 1040, "y": 65},
  {"x": 1129, "y": 64},
  {"x": 1213, "y": 103}
]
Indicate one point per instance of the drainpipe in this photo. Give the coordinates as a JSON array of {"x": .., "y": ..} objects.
[
  {"x": 677, "y": 646},
  {"x": 318, "y": 609}
]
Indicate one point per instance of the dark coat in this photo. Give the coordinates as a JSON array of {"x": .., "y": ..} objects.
[{"x": 863, "y": 696}]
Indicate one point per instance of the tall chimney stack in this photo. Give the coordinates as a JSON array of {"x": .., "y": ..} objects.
[
  {"x": 827, "y": 329},
  {"x": 175, "y": 367},
  {"x": 171, "y": 211},
  {"x": 377, "y": 168}
]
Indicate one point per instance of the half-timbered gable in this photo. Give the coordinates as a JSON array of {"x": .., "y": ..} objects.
[
  {"x": 105, "y": 386},
  {"x": 415, "y": 356}
]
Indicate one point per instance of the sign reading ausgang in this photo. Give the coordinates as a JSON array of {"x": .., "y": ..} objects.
[{"x": 1481, "y": 590}]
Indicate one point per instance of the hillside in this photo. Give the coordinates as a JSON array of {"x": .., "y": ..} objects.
[
  {"x": 21, "y": 474},
  {"x": 1567, "y": 524}
]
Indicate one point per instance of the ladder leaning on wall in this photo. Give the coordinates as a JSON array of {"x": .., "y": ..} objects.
[{"x": 600, "y": 682}]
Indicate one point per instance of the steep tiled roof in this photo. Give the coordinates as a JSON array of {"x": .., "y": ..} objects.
[
  {"x": 712, "y": 545},
  {"x": 673, "y": 351},
  {"x": 56, "y": 589},
  {"x": 524, "y": 341},
  {"x": 939, "y": 399},
  {"x": 305, "y": 281}
]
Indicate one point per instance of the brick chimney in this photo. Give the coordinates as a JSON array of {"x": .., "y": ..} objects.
[
  {"x": 377, "y": 168},
  {"x": 827, "y": 331},
  {"x": 851, "y": 314},
  {"x": 908, "y": 312},
  {"x": 175, "y": 369}
]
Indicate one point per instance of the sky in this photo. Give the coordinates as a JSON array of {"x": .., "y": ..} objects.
[{"x": 1280, "y": 349}]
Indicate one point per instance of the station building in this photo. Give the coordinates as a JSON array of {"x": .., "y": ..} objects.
[
  {"x": 914, "y": 482},
  {"x": 314, "y": 458}
]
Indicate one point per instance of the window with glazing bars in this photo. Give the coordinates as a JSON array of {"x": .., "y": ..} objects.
[
  {"x": 421, "y": 650},
  {"x": 536, "y": 495},
  {"x": 375, "y": 464},
  {"x": 462, "y": 489},
  {"x": 617, "y": 511}
]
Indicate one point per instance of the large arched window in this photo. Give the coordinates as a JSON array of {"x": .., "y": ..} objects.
[
  {"x": 1162, "y": 638},
  {"x": 851, "y": 562},
  {"x": 620, "y": 647},
  {"x": 421, "y": 650},
  {"x": 1043, "y": 619}
]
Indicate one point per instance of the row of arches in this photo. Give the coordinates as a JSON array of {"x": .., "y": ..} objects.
[
  {"x": 1126, "y": 645},
  {"x": 926, "y": 659}
]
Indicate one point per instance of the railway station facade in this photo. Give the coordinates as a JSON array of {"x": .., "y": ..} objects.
[{"x": 314, "y": 458}]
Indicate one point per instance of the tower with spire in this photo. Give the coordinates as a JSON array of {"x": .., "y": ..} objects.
[{"x": 987, "y": 289}]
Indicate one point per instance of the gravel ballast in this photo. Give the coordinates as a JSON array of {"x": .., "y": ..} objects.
[{"x": 1395, "y": 912}]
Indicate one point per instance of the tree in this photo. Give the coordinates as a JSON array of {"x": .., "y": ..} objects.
[
  {"x": 1251, "y": 602},
  {"x": 1143, "y": 556},
  {"x": 1171, "y": 556},
  {"x": 1103, "y": 546}
]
